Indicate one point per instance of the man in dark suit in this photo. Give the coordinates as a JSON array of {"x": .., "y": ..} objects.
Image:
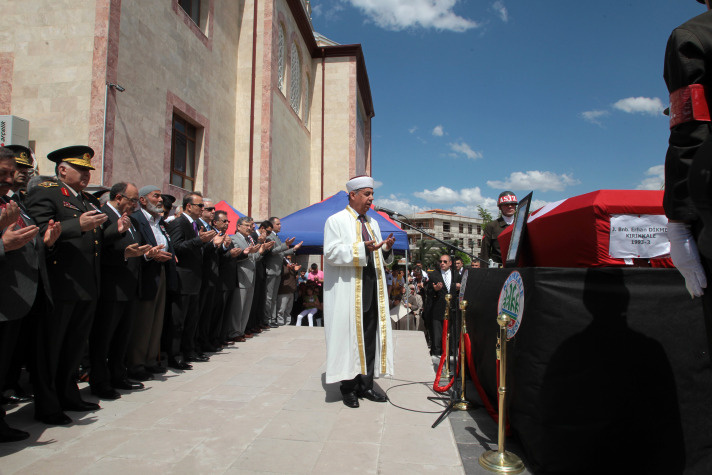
[
  {"x": 13, "y": 392},
  {"x": 226, "y": 284},
  {"x": 74, "y": 270},
  {"x": 440, "y": 283},
  {"x": 23, "y": 274},
  {"x": 116, "y": 308},
  {"x": 188, "y": 242},
  {"x": 210, "y": 280},
  {"x": 157, "y": 276}
]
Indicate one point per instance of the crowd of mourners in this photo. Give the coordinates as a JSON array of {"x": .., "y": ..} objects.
[{"x": 116, "y": 286}]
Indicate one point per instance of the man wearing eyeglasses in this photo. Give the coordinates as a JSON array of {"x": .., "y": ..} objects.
[
  {"x": 210, "y": 279},
  {"x": 440, "y": 283},
  {"x": 507, "y": 204},
  {"x": 188, "y": 242},
  {"x": 116, "y": 308}
]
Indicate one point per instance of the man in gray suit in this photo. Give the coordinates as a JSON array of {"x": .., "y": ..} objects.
[
  {"x": 274, "y": 262},
  {"x": 23, "y": 274},
  {"x": 241, "y": 299}
]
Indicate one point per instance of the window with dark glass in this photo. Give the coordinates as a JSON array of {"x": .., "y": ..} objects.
[
  {"x": 192, "y": 8},
  {"x": 479, "y": 229},
  {"x": 462, "y": 228},
  {"x": 183, "y": 151},
  {"x": 469, "y": 228},
  {"x": 446, "y": 227}
]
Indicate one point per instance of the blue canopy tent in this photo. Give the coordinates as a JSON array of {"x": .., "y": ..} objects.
[{"x": 307, "y": 225}]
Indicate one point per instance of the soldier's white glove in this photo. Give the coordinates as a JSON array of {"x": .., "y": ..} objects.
[{"x": 686, "y": 257}]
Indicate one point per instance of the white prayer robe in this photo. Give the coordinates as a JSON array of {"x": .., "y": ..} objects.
[{"x": 344, "y": 261}]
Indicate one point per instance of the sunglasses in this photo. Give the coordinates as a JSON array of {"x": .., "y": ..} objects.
[
  {"x": 212, "y": 208},
  {"x": 444, "y": 261},
  {"x": 199, "y": 205}
]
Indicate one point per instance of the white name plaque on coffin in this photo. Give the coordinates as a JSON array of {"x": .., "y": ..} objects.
[{"x": 638, "y": 236}]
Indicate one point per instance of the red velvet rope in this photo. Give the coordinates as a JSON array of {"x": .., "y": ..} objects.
[
  {"x": 436, "y": 384},
  {"x": 491, "y": 410}
]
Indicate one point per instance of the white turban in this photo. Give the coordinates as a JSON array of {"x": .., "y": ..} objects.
[{"x": 359, "y": 182}]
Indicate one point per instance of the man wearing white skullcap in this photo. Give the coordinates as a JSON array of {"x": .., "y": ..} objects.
[{"x": 356, "y": 314}]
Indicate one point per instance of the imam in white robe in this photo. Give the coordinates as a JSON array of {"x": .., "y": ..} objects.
[{"x": 344, "y": 261}]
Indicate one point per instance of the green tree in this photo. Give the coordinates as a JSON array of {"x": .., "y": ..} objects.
[{"x": 484, "y": 214}]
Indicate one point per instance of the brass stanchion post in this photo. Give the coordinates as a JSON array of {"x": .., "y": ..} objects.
[
  {"x": 463, "y": 404},
  {"x": 447, "y": 337},
  {"x": 500, "y": 460}
]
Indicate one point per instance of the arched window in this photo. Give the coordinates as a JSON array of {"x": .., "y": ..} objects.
[
  {"x": 280, "y": 58},
  {"x": 295, "y": 90},
  {"x": 306, "y": 99}
]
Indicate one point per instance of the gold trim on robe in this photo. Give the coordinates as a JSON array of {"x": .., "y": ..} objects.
[{"x": 358, "y": 274}]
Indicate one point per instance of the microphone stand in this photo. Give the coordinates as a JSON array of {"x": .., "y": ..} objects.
[
  {"x": 444, "y": 243},
  {"x": 455, "y": 402}
]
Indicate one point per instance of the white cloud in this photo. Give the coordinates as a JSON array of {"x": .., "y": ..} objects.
[
  {"x": 501, "y": 10},
  {"x": 377, "y": 184},
  {"x": 401, "y": 14},
  {"x": 593, "y": 116},
  {"x": 398, "y": 204},
  {"x": 445, "y": 195},
  {"x": 463, "y": 148},
  {"x": 535, "y": 180},
  {"x": 438, "y": 131},
  {"x": 655, "y": 178},
  {"x": 331, "y": 13},
  {"x": 640, "y": 105},
  {"x": 413, "y": 129}
]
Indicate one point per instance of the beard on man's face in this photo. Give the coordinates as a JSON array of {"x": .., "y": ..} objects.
[{"x": 154, "y": 209}]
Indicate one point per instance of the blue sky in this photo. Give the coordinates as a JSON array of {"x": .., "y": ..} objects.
[{"x": 476, "y": 96}]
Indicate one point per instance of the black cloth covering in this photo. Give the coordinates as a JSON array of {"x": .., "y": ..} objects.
[{"x": 608, "y": 373}]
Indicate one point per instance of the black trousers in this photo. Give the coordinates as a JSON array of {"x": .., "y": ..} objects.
[
  {"x": 184, "y": 323},
  {"x": 205, "y": 315},
  {"x": 364, "y": 382},
  {"x": 109, "y": 340},
  {"x": 9, "y": 333},
  {"x": 61, "y": 340}
]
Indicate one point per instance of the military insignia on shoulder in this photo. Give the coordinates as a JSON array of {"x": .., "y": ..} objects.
[
  {"x": 65, "y": 191},
  {"x": 48, "y": 184}
]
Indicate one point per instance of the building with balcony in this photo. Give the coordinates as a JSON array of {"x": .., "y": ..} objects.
[{"x": 448, "y": 226}]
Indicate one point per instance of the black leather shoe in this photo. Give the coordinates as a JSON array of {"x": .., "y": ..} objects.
[
  {"x": 15, "y": 399},
  {"x": 182, "y": 365},
  {"x": 210, "y": 348},
  {"x": 158, "y": 369},
  {"x": 140, "y": 375},
  {"x": 106, "y": 392},
  {"x": 56, "y": 419},
  {"x": 272, "y": 325},
  {"x": 81, "y": 406},
  {"x": 8, "y": 434},
  {"x": 372, "y": 395},
  {"x": 127, "y": 385},
  {"x": 199, "y": 358},
  {"x": 350, "y": 399}
]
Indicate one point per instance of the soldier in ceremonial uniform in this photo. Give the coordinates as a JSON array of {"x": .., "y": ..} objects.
[
  {"x": 74, "y": 271},
  {"x": 688, "y": 75},
  {"x": 507, "y": 204}
]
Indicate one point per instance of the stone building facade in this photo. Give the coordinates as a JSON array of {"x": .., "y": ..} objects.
[
  {"x": 448, "y": 226},
  {"x": 235, "y": 98}
]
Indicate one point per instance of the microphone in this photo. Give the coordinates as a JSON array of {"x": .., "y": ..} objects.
[{"x": 389, "y": 212}]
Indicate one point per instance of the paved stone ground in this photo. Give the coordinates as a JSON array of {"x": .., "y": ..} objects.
[{"x": 261, "y": 408}]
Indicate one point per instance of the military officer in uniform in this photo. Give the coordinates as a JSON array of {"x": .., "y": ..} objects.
[
  {"x": 507, "y": 204},
  {"x": 688, "y": 75},
  {"x": 74, "y": 270},
  {"x": 23, "y": 275}
]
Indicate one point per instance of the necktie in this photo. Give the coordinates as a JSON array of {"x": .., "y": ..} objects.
[
  {"x": 195, "y": 227},
  {"x": 365, "y": 236},
  {"x": 446, "y": 279},
  {"x": 250, "y": 240}
]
